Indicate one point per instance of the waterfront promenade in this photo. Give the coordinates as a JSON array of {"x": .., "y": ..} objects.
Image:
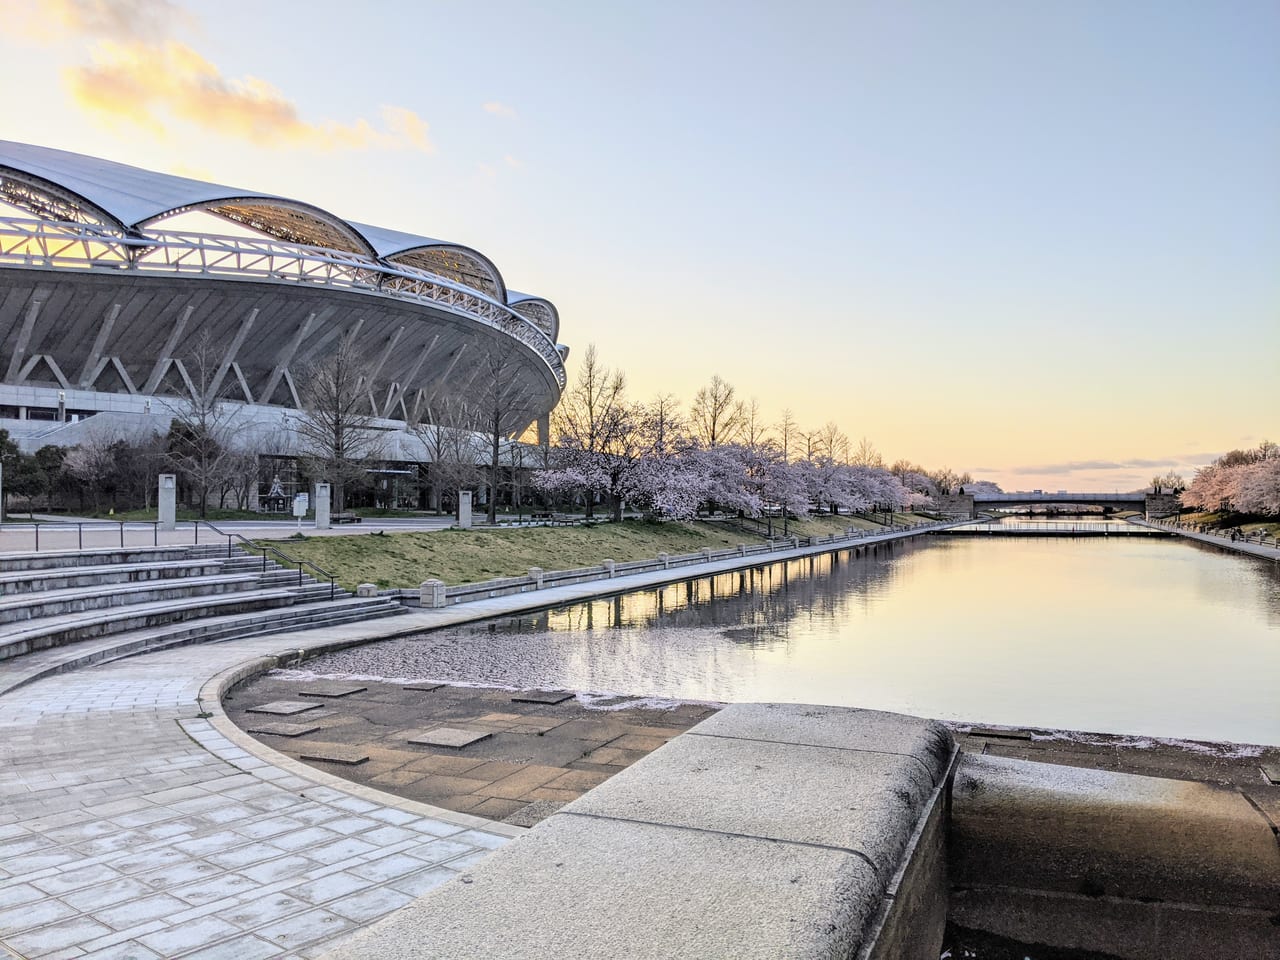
[
  {"x": 136, "y": 821},
  {"x": 1241, "y": 545}
]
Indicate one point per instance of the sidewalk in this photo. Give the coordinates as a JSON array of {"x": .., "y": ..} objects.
[{"x": 1226, "y": 543}]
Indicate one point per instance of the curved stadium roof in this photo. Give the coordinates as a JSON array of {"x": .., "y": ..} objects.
[{"x": 62, "y": 185}]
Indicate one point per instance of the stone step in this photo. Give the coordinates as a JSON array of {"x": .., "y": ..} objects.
[
  {"x": 57, "y": 631},
  {"x": 22, "y": 670},
  {"x": 106, "y": 596},
  {"x": 36, "y": 581},
  {"x": 61, "y": 559}
]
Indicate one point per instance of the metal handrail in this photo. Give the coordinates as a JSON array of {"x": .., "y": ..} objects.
[
  {"x": 265, "y": 548},
  {"x": 41, "y": 243}
]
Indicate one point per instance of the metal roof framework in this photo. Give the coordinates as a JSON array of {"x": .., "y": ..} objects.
[{"x": 58, "y": 185}]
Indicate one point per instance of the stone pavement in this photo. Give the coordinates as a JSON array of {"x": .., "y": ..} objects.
[
  {"x": 130, "y": 827},
  {"x": 528, "y": 761}
]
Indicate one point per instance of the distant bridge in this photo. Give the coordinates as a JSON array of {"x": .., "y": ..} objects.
[
  {"x": 1057, "y": 529},
  {"x": 1117, "y": 501}
]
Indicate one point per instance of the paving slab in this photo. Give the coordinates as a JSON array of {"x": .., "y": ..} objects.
[
  {"x": 551, "y": 697},
  {"x": 285, "y": 708},
  {"x": 423, "y": 687},
  {"x": 349, "y": 756},
  {"x": 455, "y": 738},
  {"x": 334, "y": 689},
  {"x": 282, "y": 729}
]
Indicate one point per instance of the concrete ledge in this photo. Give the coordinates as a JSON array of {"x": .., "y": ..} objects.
[
  {"x": 736, "y": 840},
  {"x": 1138, "y": 867}
]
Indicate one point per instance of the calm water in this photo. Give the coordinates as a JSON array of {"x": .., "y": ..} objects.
[{"x": 1142, "y": 636}]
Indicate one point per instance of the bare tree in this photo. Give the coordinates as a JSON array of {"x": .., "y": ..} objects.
[
  {"x": 865, "y": 454},
  {"x": 594, "y": 426},
  {"x": 717, "y": 416},
  {"x": 455, "y": 448},
  {"x": 499, "y": 412},
  {"x": 204, "y": 426},
  {"x": 337, "y": 433}
]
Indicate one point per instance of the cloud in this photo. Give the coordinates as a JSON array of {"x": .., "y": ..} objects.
[
  {"x": 499, "y": 109},
  {"x": 151, "y": 85},
  {"x": 515, "y": 163},
  {"x": 44, "y": 21},
  {"x": 1085, "y": 466}
]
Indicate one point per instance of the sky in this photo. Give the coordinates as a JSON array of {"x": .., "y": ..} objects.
[{"x": 1036, "y": 242}]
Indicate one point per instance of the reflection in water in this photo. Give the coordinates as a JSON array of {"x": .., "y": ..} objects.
[{"x": 1157, "y": 637}]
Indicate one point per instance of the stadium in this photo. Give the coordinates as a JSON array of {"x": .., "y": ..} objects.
[{"x": 110, "y": 273}]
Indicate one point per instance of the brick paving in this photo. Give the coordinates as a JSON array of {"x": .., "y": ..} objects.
[{"x": 130, "y": 826}]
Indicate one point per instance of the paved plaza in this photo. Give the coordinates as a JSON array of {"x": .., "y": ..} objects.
[{"x": 130, "y": 827}]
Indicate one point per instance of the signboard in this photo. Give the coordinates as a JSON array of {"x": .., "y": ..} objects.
[{"x": 301, "y": 503}]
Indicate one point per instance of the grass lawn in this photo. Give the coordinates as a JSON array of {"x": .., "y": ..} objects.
[{"x": 468, "y": 556}]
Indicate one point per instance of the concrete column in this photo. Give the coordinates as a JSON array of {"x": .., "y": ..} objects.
[
  {"x": 321, "y": 506},
  {"x": 464, "y": 509},
  {"x": 535, "y": 577},
  {"x": 167, "y": 502},
  {"x": 431, "y": 593}
]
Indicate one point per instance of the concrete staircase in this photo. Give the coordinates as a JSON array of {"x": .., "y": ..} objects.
[{"x": 62, "y": 610}]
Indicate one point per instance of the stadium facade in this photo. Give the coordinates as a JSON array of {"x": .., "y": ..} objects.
[{"x": 100, "y": 306}]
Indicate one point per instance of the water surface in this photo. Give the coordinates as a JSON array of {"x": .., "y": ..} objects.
[{"x": 1153, "y": 637}]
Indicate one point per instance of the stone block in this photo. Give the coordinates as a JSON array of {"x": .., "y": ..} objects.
[
  {"x": 843, "y": 728},
  {"x": 367, "y": 590},
  {"x": 535, "y": 577},
  {"x": 431, "y": 593},
  {"x": 561, "y": 891},
  {"x": 777, "y": 791}
]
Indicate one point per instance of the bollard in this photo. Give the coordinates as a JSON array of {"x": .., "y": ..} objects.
[
  {"x": 742, "y": 549},
  {"x": 535, "y": 577},
  {"x": 665, "y": 560},
  {"x": 706, "y": 554},
  {"x": 431, "y": 593},
  {"x": 366, "y": 590},
  {"x": 609, "y": 567}
]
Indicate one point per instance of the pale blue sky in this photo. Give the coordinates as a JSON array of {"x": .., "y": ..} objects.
[{"x": 988, "y": 235}]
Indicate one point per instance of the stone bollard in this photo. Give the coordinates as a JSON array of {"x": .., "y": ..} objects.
[
  {"x": 367, "y": 590},
  {"x": 431, "y": 593},
  {"x": 535, "y": 577},
  {"x": 609, "y": 567},
  {"x": 706, "y": 554},
  {"x": 742, "y": 549},
  {"x": 665, "y": 560},
  {"x": 795, "y": 543}
]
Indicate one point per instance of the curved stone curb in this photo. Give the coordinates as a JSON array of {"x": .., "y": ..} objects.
[{"x": 210, "y": 702}]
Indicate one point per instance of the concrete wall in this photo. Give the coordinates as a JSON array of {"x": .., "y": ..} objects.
[
  {"x": 956, "y": 505},
  {"x": 1162, "y": 505},
  {"x": 1141, "y": 868}
]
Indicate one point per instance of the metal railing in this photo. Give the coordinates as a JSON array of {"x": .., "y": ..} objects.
[
  {"x": 502, "y": 586},
  {"x": 46, "y": 243},
  {"x": 1231, "y": 534},
  {"x": 266, "y": 548}
]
